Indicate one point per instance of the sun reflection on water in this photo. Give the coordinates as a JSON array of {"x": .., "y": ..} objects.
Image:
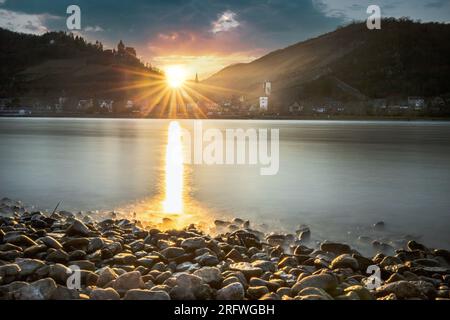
[{"x": 174, "y": 170}]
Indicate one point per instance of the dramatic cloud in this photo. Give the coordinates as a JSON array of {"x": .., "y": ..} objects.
[
  {"x": 25, "y": 23},
  {"x": 225, "y": 22}
]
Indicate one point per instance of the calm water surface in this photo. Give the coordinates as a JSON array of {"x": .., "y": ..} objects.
[{"x": 337, "y": 177}]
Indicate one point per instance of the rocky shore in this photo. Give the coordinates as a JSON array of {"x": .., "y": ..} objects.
[{"x": 119, "y": 258}]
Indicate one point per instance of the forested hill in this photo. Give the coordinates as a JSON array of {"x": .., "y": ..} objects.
[
  {"x": 404, "y": 58},
  {"x": 59, "y": 61}
]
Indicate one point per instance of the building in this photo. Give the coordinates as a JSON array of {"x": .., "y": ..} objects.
[
  {"x": 295, "y": 108},
  {"x": 267, "y": 86},
  {"x": 264, "y": 103},
  {"x": 416, "y": 103}
]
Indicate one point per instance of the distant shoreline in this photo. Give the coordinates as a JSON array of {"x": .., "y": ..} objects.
[{"x": 336, "y": 118}]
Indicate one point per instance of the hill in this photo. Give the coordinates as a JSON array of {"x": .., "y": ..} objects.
[
  {"x": 59, "y": 62},
  {"x": 404, "y": 58}
]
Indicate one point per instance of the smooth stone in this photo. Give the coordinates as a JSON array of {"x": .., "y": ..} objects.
[
  {"x": 315, "y": 291},
  {"x": 344, "y": 261},
  {"x": 9, "y": 270},
  {"x": 140, "y": 294},
  {"x": 104, "y": 294},
  {"x": 18, "y": 239},
  {"x": 59, "y": 272},
  {"x": 28, "y": 266},
  {"x": 78, "y": 228},
  {"x": 64, "y": 293},
  {"x": 288, "y": 262},
  {"x": 401, "y": 289},
  {"x": 189, "y": 287},
  {"x": 50, "y": 242},
  {"x": 39, "y": 290},
  {"x": 191, "y": 244},
  {"x": 233, "y": 291},
  {"x": 106, "y": 275},
  {"x": 234, "y": 255},
  {"x": 362, "y": 292},
  {"x": 128, "y": 281},
  {"x": 247, "y": 269},
  {"x": 326, "y": 282},
  {"x": 257, "y": 292},
  {"x": 207, "y": 260},
  {"x": 58, "y": 255},
  {"x": 172, "y": 252},
  {"x": 336, "y": 248},
  {"x": 210, "y": 275}
]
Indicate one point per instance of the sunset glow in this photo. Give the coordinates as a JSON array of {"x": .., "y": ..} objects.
[{"x": 175, "y": 76}]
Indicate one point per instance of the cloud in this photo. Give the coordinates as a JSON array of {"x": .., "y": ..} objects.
[
  {"x": 94, "y": 29},
  {"x": 425, "y": 10},
  {"x": 225, "y": 22},
  {"x": 23, "y": 22}
]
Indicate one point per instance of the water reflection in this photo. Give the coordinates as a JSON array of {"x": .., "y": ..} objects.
[{"x": 174, "y": 169}]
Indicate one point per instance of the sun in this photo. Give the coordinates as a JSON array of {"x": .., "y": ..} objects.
[{"x": 175, "y": 76}]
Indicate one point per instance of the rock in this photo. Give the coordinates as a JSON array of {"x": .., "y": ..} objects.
[
  {"x": 189, "y": 287},
  {"x": 233, "y": 291},
  {"x": 210, "y": 275},
  {"x": 363, "y": 293},
  {"x": 128, "y": 281},
  {"x": 29, "y": 266},
  {"x": 34, "y": 250},
  {"x": 207, "y": 260},
  {"x": 9, "y": 270},
  {"x": 379, "y": 225},
  {"x": 388, "y": 261},
  {"x": 106, "y": 275},
  {"x": 58, "y": 255},
  {"x": 95, "y": 244},
  {"x": 84, "y": 264},
  {"x": 265, "y": 266},
  {"x": 59, "y": 273},
  {"x": 104, "y": 294},
  {"x": 309, "y": 291},
  {"x": 51, "y": 242},
  {"x": 172, "y": 252},
  {"x": 336, "y": 248},
  {"x": 124, "y": 258},
  {"x": 234, "y": 255},
  {"x": 18, "y": 239},
  {"x": 76, "y": 244},
  {"x": 326, "y": 282},
  {"x": 413, "y": 245},
  {"x": 344, "y": 261},
  {"x": 78, "y": 228},
  {"x": 247, "y": 269},
  {"x": 10, "y": 255},
  {"x": 401, "y": 289},
  {"x": 40, "y": 290},
  {"x": 139, "y": 294},
  {"x": 257, "y": 292},
  {"x": 191, "y": 244},
  {"x": 288, "y": 262},
  {"x": 426, "y": 288}
]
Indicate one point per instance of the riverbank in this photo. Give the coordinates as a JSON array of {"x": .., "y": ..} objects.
[
  {"x": 228, "y": 117},
  {"x": 119, "y": 257}
]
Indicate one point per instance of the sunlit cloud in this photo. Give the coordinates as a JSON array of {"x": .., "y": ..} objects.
[
  {"x": 225, "y": 22},
  {"x": 94, "y": 29},
  {"x": 23, "y": 22}
]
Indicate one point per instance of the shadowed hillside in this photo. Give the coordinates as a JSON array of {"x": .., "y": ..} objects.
[
  {"x": 58, "y": 62},
  {"x": 404, "y": 58}
]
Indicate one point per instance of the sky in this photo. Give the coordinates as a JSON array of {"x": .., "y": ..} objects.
[{"x": 206, "y": 35}]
